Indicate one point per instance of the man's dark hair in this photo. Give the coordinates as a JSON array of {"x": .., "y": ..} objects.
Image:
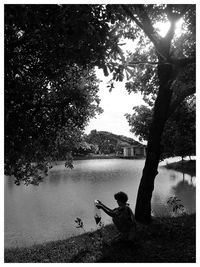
[{"x": 121, "y": 196}]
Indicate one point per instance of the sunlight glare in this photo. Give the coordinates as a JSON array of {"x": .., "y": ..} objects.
[
  {"x": 179, "y": 27},
  {"x": 163, "y": 27}
]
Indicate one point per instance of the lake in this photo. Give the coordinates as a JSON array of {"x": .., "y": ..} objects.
[{"x": 34, "y": 214}]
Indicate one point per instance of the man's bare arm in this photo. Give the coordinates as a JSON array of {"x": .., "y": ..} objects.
[{"x": 108, "y": 211}]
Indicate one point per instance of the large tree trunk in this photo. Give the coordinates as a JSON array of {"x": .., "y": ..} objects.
[{"x": 161, "y": 109}]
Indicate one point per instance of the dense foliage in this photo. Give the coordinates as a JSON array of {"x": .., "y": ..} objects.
[
  {"x": 50, "y": 86},
  {"x": 102, "y": 142},
  {"x": 179, "y": 136}
]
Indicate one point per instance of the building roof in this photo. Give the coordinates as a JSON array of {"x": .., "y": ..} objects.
[{"x": 134, "y": 145}]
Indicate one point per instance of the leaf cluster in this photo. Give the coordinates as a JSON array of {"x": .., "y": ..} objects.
[{"x": 176, "y": 205}]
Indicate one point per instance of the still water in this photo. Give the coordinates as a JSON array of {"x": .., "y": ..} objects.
[{"x": 34, "y": 214}]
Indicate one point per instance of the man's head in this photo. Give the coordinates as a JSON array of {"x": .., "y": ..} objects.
[{"x": 121, "y": 198}]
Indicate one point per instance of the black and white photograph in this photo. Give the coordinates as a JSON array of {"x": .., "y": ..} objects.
[{"x": 99, "y": 132}]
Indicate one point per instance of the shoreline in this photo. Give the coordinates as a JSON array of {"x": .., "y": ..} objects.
[
  {"x": 185, "y": 166},
  {"x": 104, "y": 157},
  {"x": 164, "y": 240}
]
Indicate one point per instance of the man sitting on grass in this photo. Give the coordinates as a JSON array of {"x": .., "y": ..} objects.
[{"x": 122, "y": 216}]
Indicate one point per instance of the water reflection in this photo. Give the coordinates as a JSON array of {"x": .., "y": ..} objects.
[
  {"x": 55, "y": 178},
  {"x": 185, "y": 176},
  {"x": 47, "y": 212},
  {"x": 189, "y": 178},
  {"x": 186, "y": 192},
  {"x": 159, "y": 206}
]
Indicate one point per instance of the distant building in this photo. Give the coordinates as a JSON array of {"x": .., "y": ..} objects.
[{"x": 134, "y": 151}]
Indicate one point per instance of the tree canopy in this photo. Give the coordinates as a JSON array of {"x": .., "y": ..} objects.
[
  {"x": 50, "y": 85},
  {"x": 108, "y": 143},
  {"x": 139, "y": 65}
]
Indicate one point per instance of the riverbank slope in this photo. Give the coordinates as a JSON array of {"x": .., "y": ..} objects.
[{"x": 165, "y": 240}]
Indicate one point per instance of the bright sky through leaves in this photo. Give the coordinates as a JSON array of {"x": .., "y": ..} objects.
[
  {"x": 164, "y": 27},
  {"x": 119, "y": 102}
]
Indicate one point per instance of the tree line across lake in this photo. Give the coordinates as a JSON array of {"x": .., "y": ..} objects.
[
  {"x": 102, "y": 142},
  {"x": 178, "y": 137}
]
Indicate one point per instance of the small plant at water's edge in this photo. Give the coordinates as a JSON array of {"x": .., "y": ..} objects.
[
  {"x": 94, "y": 241},
  {"x": 99, "y": 223},
  {"x": 79, "y": 223},
  {"x": 176, "y": 206},
  {"x": 100, "y": 227}
]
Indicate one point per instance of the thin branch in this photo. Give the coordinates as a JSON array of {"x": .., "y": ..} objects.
[
  {"x": 148, "y": 29},
  {"x": 147, "y": 62},
  {"x": 181, "y": 62},
  {"x": 130, "y": 14},
  {"x": 148, "y": 33}
]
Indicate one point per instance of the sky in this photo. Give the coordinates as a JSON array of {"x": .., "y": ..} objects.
[
  {"x": 118, "y": 102},
  {"x": 115, "y": 104}
]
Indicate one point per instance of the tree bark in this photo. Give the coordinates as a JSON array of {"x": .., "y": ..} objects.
[{"x": 161, "y": 109}]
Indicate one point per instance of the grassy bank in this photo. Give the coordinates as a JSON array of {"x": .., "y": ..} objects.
[
  {"x": 165, "y": 240},
  {"x": 185, "y": 166}
]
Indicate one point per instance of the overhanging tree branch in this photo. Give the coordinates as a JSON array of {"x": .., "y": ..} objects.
[
  {"x": 131, "y": 15},
  {"x": 148, "y": 30},
  {"x": 181, "y": 62},
  {"x": 133, "y": 63}
]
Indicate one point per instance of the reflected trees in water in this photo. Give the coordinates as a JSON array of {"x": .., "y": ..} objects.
[{"x": 186, "y": 191}]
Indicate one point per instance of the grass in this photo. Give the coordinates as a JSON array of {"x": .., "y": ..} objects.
[{"x": 164, "y": 240}]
